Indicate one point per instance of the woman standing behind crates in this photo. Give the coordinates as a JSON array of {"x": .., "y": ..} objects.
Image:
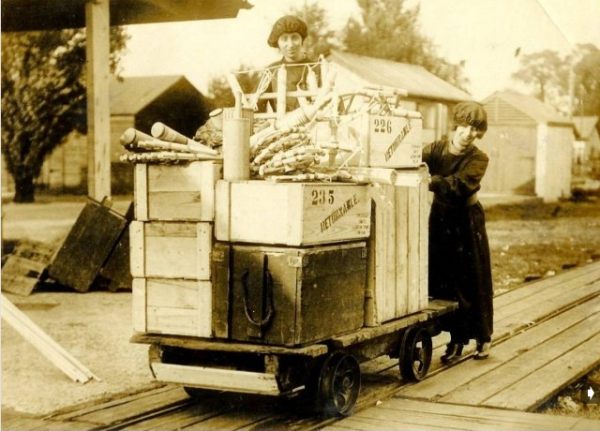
[
  {"x": 288, "y": 35},
  {"x": 459, "y": 255}
]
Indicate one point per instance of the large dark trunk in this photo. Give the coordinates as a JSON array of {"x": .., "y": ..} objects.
[{"x": 24, "y": 189}]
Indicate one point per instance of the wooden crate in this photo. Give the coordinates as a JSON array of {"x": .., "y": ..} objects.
[
  {"x": 398, "y": 259},
  {"x": 172, "y": 306},
  {"x": 291, "y": 213},
  {"x": 303, "y": 295},
  {"x": 385, "y": 141},
  {"x": 171, "y": 249},
  {"x": 87, "y": 247},
  {"x": 25, "y": 266},
  {"x": 176, "y": 192}
]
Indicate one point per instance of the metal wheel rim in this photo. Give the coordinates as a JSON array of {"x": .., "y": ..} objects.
[
  {"x": 345, "y": 384},
  {"x": 415, "y": 358},
  {"x": 340, "y": 384}
]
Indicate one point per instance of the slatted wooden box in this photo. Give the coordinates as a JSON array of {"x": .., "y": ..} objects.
[
  {"x": 176, "y": 192},
  {"x": 291, "y": 214},
  {"x": 171, "y": 249},
  {"x": 172, "y": 306},
  {"x": 398, "y": 261},
  {"x": 385, "y": 141}
]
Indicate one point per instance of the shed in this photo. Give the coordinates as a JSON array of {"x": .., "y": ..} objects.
[
  {"x": 586, "y": 149},
  {"x": 136, "y": 101},
  {"x": 433, "y": 97},
  {"x": 530, "y": 147}
]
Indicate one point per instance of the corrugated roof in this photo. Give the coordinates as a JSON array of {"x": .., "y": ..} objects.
[
  {"x": 585, "y": 125},
  {"x": 529, "y": 105},
  {"x": 129, "y": 95},
  {"x": 415, "y": 79}
]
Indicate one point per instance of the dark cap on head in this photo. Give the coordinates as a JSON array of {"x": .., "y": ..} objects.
[
  {"x": 287, "y": 24},
  {"x": 470, "y": 114}
]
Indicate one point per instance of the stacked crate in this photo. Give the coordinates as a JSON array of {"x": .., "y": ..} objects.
[
  {"x": 291, "y": 261},
  {"x": 171, "y": 240},
  {"x": 390, "y": 146}
]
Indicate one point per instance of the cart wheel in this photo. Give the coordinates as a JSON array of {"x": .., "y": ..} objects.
[
  {"x": 339, "y": 384},
  {"x": 415, "y": 354}
]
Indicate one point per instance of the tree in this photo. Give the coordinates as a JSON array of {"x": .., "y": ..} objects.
[
  {"x": 547, "y": 72},
  {"x": 549, "y": 76},
  {"x": 320, "y": 39},
  {"x": 43, "y": 97},
  {"x": 587, "y": 80},
  {"x": 388, "y": 29},
  {"x": 220, "y": 92}
]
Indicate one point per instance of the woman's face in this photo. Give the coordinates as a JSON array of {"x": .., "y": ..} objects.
[
  {"x": 290, "y": 46},
  {"x": 464, "y": 136}
]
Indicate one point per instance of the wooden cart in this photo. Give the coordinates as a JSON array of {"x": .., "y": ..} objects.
[
  {"x": 329, "y": 370},
  {"x": 301, "y": 282}
]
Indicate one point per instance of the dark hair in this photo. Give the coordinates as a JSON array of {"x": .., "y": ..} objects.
[
  {"x": 470, "y": 114},
  {"x": 287, "y": 24}
]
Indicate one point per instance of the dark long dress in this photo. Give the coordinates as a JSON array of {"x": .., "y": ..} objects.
[{"x": 459, "y": 255}]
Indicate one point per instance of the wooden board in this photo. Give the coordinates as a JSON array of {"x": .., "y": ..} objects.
[
  {"x": 528, "y": 362},
  {"x": 171, "y": 249},
  {"x": 399, "y": 247},
  {"x": 215, "y": 378},
  {"x": 87, "y": 246},
  {"x": 176, "y": 192},
  {"x": 175, "y": 307},
  {"x": 44, "y": 343},
  {"x": 400, "y": 414},
  {"x": 551, "y": 378},
  {"x": 292, "y": 214},
  {"x": 213, "y": 345}
]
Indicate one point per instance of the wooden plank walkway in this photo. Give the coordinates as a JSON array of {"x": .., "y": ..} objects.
[
  {"x": 404, "y": 414},
  {"x": 548, "y": 335},
  {"x": 533, "y": 322}
]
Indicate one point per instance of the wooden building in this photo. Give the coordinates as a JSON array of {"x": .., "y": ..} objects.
[
  {"x": 433, "y": 97},
  {"x": 530, "y": 147},
  {"x": 135, "y": 102}
]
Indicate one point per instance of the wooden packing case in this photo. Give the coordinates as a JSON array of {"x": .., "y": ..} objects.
[
  {"x": 176, "y": 192},
  {"x": 398, "y": 247},
  {"x": 172, "y": 306},
  {"x": 379, "y": 141},
  {"x": 171, "y": 249},
  {"x": 294, "y": 214},
  {"x": 288, "y": 296}
]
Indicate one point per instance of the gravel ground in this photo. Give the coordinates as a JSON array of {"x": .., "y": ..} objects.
[{"x": 527, "y": 240}]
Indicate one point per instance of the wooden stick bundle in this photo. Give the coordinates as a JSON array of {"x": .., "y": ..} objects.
[
  {"x": 164, "y": 157},
  {"x": 165, "y": 133},
  {"x": 132, "y": 137},
  {"x": 158, "y": 145}
]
